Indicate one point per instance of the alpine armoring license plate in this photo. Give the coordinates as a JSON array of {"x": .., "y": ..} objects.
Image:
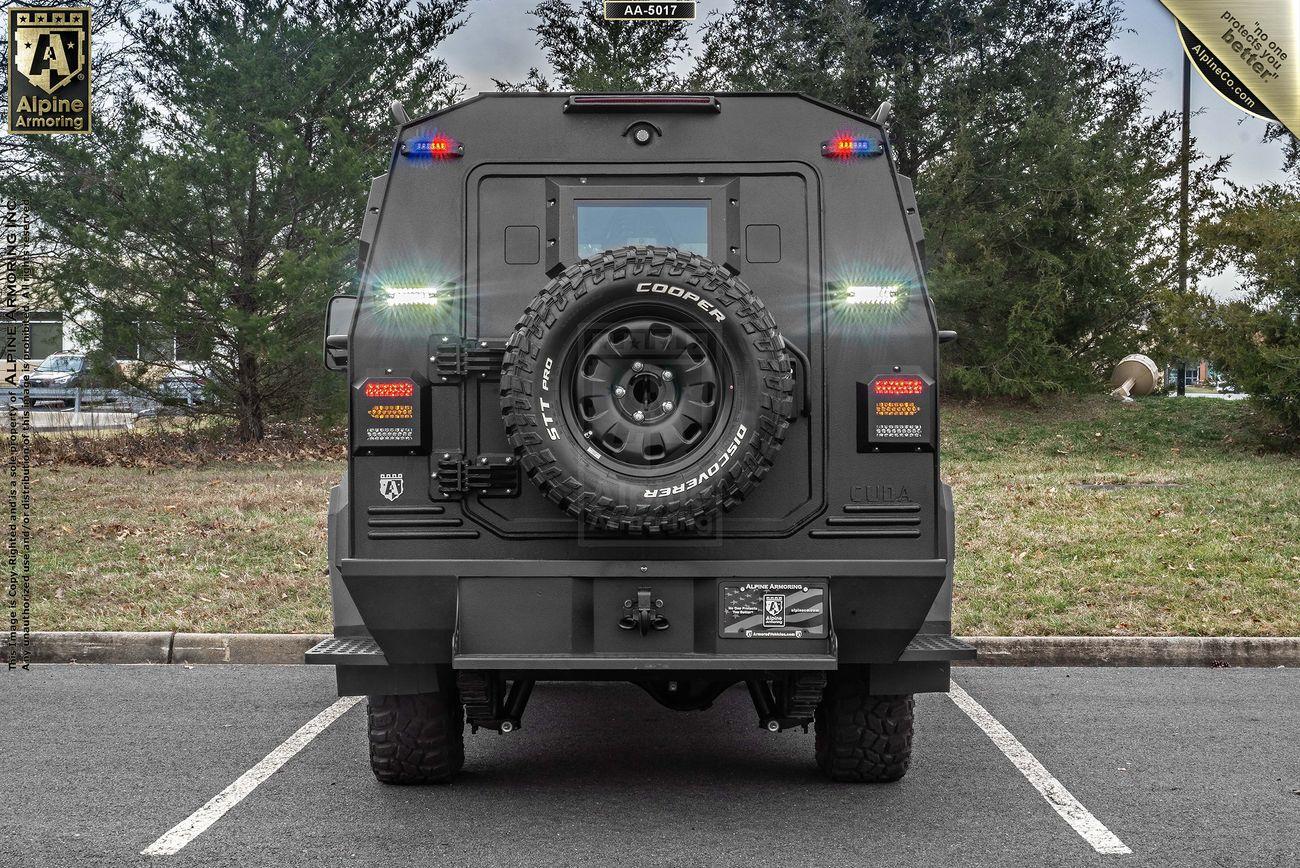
[{"x": 773, "y": 610}]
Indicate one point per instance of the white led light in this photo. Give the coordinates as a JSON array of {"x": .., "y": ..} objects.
[
  {"x": 404, "y": 295},
  {"x": 390, "y": 433},
  {"x": 883, "y": 431},
  {"x": 871, "y": 294}
]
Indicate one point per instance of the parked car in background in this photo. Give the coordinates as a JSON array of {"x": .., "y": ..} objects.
[
  {"x": 1225, "y": 387},
  {"x": 61, "y": 370},
  {"x": 165, "y": 383},
  {"x": 68, "y": 378},
  {"x": 182, "y": 387}
]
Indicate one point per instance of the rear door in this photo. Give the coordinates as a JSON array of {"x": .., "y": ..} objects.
[{"x": 522, "y": 225}]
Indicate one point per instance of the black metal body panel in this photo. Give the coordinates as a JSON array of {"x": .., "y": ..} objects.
[
  {"x": 429, "y": 612},
  {"x": 504, "y": 578}
]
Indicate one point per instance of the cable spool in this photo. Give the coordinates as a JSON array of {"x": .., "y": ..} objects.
[{"x": 1136, "y": 375}]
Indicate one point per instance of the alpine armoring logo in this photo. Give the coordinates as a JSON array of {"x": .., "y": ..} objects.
[
  {"x": 49, "y": 70},
  {"x": 723, "y": 457}
]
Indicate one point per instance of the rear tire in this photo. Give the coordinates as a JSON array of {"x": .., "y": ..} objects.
[
  {"x": 417, "y": 738},
  {"x": 861, "y": 737}
]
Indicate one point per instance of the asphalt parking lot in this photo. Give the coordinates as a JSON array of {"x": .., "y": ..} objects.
[{"x": 1184, "y": 766}]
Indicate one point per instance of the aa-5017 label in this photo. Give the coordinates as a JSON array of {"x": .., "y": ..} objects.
[
  {"x": 773, "y": 610},
  {"x": 625, "y": 11}
]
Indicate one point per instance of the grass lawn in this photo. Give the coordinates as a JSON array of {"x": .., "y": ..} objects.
[
  {"x": 1196, "y": 530},
  {"x": 221, "y": 548},
  {"x": 1200, "y": 535}
]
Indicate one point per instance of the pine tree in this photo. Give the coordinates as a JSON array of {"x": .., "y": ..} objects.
[
  {"x": 588, "y": 53},
  {"x": 219, "y": 199},
  {"x": 1255, "y": 339},
  {"x": 1047, "y": 189}
]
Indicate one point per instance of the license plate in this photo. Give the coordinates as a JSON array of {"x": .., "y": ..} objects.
[{"x": 774, "y": 610}]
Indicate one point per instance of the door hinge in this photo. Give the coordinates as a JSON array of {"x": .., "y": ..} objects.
[
  {"x": 456, "y": 359},
  {"x": 492, "y": 475}
]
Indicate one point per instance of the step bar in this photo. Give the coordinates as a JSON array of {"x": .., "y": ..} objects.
[
  {"x": 346, "y": 651},
  {"x": 364, "y": 651},
  {"x": 936, "y": 647}
]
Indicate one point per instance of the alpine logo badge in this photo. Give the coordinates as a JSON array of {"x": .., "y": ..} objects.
[
  {"x": 774, "y": 610},
  {"x": 390, "y": 485},
  {"x": 49, "y": 70}
]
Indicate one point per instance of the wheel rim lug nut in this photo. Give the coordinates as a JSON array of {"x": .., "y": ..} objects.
[
  {"x": 639, "y": 416},
  {"x": 668, "y": 405},
  {"x": 638, "y": 366},
  {"x": 668, "y": 375},
  {"x": 619, "y": 391}
]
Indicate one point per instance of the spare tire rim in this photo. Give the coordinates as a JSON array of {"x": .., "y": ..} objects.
[{"x": 647, "y": 388}]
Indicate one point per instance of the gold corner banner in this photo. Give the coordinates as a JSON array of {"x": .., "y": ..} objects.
[{"x": 1247, "y": 50}]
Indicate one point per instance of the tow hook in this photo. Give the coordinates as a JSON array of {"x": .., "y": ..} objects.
[{"x": 643, "y": 615}]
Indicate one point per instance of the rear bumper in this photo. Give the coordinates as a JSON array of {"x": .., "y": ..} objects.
[
  {"x": 563, "y": 615},
  {"x": 362, "y": 668},
  {"x": 365, "y": 651}
]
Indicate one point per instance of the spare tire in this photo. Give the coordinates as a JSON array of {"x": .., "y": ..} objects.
[{"x": 644, "y": 389}]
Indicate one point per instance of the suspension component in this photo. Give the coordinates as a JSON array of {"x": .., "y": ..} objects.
[
  {"x": 788, "y": 701},
  {"x": 488, "y": 704}
]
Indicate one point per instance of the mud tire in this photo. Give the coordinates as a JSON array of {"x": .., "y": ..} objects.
[
  {"x": 545, "y": 425},
  {"x": 861, "y": 737}
]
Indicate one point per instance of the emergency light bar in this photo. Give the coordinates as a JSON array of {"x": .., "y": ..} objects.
[
  {"x": 847, "y": 146},
  {"x": 438, "y": 146}
]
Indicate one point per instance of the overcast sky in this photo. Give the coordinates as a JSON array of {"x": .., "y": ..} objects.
[{"x": 498, "y": 43}]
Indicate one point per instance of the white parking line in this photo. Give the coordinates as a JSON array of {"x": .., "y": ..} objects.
[
  {"x": 1103, "y": 840},
  {"x": 197, "y": 823}
]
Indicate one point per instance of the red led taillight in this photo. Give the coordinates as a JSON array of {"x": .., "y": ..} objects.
[
  {"x": 897, "y": 386},
  {"x": 389, "y": 388}
]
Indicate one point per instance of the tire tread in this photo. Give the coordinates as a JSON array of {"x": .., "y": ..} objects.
[
  {"x": 417, "y": 738},
  {"x": 861, "y": 737}
]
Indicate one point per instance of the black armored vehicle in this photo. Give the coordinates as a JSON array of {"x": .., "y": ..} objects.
[{"x": 642, "y": 388}]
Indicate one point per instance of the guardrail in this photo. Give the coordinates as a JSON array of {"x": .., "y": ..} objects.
[
  {"x": 81, "y": 397},
  {"x": 76, "y": 396}
]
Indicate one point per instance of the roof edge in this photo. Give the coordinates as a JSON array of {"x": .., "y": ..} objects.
[{"x": 720, "y": 94}]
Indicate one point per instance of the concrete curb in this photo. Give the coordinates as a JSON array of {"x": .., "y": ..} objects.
[
  {"x": 80, "y": 647},
  {"x": 1258, "y": 651},
  {"x": 196, "y": 648},
  {"x": 241, "y": 647}
]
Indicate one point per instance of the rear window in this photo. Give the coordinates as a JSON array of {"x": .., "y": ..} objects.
[{"x": 605, "y": 224}]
